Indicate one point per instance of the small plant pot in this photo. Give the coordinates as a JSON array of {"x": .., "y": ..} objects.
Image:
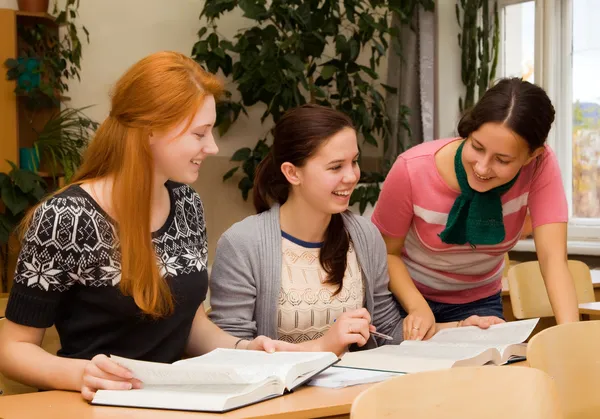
[
  {"x": 34, "y": 6},
  {"x": 29, "y": 159}
]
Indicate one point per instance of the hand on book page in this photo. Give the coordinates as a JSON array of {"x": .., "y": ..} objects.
[
  {"x": 497, "y": 334},
  {"x": 449, "y": 348},
  {"x": 103, "y": 373}
]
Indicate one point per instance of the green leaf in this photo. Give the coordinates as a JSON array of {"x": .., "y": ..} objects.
[
  {"x": 389, "y": 89},
  {"x": 295, "y": 62},
  {"x": 230, "y": 173},
  {"x": 11, "y": 63},
  {"x": 202, "y": 31},
  {"x": 370, "y": 72},
  {"x": 245, "y": 185},
  {"x": 252, "y": 9},
  {"x": 354, "y": 49},
  {"x": 15, "y": 201},
  {"x": 327, "y": 72},
  {"x": 241, "y": 154},
  {"x": 6, "y": 227}
]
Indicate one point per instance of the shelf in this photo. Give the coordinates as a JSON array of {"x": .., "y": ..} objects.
[{"x": 36, "y": 15}]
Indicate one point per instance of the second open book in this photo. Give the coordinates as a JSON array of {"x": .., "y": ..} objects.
[{"x": 454, "y": 347}]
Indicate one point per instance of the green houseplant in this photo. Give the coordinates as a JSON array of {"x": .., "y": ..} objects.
[
  {"x": 299, "y": 51},
  {"x": 19, "y": 189},
  {"x": 47, "y": 58},
  {"x": 479, "y": 41},
  {"x": 62, "y": 140}
]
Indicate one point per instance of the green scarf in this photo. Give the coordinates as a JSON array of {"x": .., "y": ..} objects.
[{"x": 476, "y": 217}]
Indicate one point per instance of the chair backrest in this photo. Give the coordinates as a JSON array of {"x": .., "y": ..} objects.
[
  {"x": 570, "y": 354},
  {"x": 3, "y": 303},
  {"x": 466, "y": 392},
  {"x": 506, "y": 266},
  {"x": 50, "y": 343},
  {"x": 528, "y": 295}
]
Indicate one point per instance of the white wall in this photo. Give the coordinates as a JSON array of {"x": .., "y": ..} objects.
[{"x": 448, "y": 87}]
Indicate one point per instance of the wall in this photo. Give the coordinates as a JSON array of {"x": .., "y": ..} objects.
[
  {"x": 448, "y": 84},
  {"x": 121, "y": 33}
]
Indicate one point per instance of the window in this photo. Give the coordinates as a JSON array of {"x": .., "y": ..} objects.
[{"x": 556, "y": 44}]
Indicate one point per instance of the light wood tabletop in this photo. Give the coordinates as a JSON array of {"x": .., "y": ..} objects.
[
  {"x": 590, "y": 309},
  {"x": 306, "y": 402}
]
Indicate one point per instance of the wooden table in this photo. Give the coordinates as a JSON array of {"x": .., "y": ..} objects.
[
  {"x": 307, "y": 402},
  {"x": 589, "y": 309}
]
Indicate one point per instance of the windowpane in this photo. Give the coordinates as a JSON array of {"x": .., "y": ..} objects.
[
  {"x": 586, "y": 108},
  {"x": 519, "y": 40}
]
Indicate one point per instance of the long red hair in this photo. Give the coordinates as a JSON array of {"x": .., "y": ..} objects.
[{"x": 156, "y": 94}]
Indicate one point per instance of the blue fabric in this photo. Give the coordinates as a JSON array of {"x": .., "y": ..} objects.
[{"x": 443, "y": 312}]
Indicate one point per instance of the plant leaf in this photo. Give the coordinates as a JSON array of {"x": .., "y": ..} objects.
[
  {"x": 241, "y": 154},
  {"x": 230, "y": 173}
]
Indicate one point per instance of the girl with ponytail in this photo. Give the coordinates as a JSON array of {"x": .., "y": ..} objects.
[
  {"x": 117, "y": 260},
  {"x": 304, "y": 269}
]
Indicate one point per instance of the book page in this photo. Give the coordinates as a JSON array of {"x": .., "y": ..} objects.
[
  {"x": 410, "y": 356},
  {"x": 153, "y": 373},
  {"x": 497, "y": 336},
  {"x": 276, "y": 364},
  {"x": 338, "y": 377}
]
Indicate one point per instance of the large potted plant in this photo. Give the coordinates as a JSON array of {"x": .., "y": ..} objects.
[
  {"x": 19, "y": 189},
  {"x": 301, "y": 51}
]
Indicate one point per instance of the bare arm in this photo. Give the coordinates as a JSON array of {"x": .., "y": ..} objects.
[
  {"x": 419, "y": 324},
  {"x": 551, "y": 246},
  {"x": 401, "y": 284},
  {"x": 205, "y": 336},
  {"x": 22, "y": 359}
]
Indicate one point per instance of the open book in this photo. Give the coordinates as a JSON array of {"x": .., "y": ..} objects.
[
  {"x": 219, "y": 381},
  {"x": 454, "y": 347}
]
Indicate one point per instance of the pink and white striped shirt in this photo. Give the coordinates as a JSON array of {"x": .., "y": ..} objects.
[{"x": 415, "y": 202}]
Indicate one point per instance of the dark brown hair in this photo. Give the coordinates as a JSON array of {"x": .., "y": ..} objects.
[
  {"x": 523, "y": 107},
  {"x": 297, "y": 137}
]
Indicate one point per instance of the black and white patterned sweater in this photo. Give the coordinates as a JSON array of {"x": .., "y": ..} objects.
[{"x": 68, "y": 274}]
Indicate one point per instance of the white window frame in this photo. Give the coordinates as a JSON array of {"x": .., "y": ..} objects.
[{"x": 553, "y": 71}]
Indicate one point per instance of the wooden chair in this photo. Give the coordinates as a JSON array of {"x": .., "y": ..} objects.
[
  {"x": 50, "y": 343},
  {"x": 3, "y": 303},
  {"x": 528, "y": 295},
  {"x": 466, "y": 392},
  {"x": 570, "y": 353}
]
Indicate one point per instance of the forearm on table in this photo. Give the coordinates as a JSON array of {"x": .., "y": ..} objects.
[{"x": 29, "y": 364}]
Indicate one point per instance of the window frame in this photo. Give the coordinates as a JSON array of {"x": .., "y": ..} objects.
[{"x": 553, "y": 59}]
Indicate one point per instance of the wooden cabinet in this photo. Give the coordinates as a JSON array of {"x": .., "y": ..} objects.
[{"x": 18, "y": 125}]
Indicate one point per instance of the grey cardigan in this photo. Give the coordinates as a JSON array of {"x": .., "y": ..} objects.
[{"x": 246, "y": 277}]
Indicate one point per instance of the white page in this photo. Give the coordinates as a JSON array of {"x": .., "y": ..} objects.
[
  {"x": 277, "y": 363},
  {"x": 497, "y": 335},
  {"x": 338, "y": 377},
  {"x": 152, "y": 373},
  {"x": 410, "y": 356}
]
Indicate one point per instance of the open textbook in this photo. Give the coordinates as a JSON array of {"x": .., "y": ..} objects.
[
  {"x": 454, "y": 347},
  {"x": 219, "y": 381}
]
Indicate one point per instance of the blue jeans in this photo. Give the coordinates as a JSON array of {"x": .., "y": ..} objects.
[{"x": 443, "y": 312}]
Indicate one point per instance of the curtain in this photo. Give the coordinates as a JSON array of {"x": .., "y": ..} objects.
[{"x": 413, "y": 74}]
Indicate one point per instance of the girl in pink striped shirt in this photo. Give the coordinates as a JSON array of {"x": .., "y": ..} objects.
[{"x": 450, "y": 209}]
